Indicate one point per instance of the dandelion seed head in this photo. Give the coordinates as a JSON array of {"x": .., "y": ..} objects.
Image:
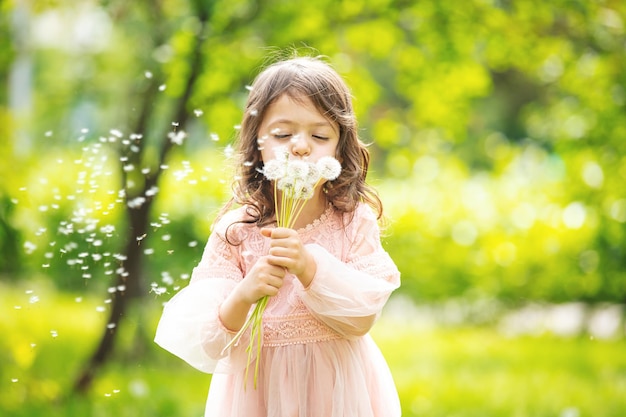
[
  {"x": 329, "y": 168},
  {"x": 274, "y": 170},
  {"x": 298, "y": 169}
]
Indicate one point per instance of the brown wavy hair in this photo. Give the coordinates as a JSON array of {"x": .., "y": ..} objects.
[{"x": 301, "y": 77}]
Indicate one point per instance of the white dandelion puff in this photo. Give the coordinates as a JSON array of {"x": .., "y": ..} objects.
[
  {"x": 298, "y": 169},
  {"x": 274, "y": 170},
  {"x": 329, "y": 168}
]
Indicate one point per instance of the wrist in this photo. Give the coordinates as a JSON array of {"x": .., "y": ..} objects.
[{"x": 309, "y": 271}]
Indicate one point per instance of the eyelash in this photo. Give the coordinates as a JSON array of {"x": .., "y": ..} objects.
[{"x": 285, "y": 136}]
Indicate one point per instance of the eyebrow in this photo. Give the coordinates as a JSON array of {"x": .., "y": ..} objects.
[{"x": 291, "y": 122}]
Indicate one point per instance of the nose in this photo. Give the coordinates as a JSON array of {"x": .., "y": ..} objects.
[{"x": 300, "y": 145}]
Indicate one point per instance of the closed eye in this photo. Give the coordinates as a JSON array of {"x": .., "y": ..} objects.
[
  {"x": 320, "y": 137},
  {"x": 282, "y": 136}
]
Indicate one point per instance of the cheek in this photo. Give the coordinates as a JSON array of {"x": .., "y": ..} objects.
[{"x": 268, "y": 148}]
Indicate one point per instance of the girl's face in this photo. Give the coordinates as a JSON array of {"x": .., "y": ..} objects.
[{"x": 298, "y": 127}]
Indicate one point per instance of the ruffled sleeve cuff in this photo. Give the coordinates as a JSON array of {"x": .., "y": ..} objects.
[
  {"x": 350, "y": 297},
  {"x": 190, "y": 327}
]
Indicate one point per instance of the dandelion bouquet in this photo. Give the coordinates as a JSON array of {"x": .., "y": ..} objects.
[{"x": 296, "y": 181}]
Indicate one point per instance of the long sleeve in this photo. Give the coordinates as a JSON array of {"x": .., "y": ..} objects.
[
  {"x": 349, "y": 296},
  {"x": 190, "y": 327}
]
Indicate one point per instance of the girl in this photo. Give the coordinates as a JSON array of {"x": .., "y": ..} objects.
[{"x": 328, "y": 278}]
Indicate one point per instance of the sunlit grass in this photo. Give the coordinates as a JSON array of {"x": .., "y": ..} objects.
[
  {"x": 476, "y": 371},
  {"x": 439, "y": 371}
]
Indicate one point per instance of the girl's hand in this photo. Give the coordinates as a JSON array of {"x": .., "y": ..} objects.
[
  {"x": 287, "y": 251},
  {"x": 263, "y": 279}
]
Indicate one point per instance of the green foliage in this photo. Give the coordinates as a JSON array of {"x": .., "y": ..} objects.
[{"x": 497, "y": 128}]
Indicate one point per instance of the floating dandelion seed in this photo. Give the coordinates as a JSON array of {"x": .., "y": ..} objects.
[
  {"x": 29, "y": 247},
  {"x": 152, "y": 191},
  {"x": 249, "y": 87},
  {"x": 162, "y": 87},
  {"x": 214, "y": 137},
  {"x": 148, "y": 251},
  {"x": 177, "y": 137},
  {"x": 54, "y": 333},
  {"x": 198, "y": 112},
  {"x": 254, "y": 112},
  {"x": 148, "y": 74},
  {"x": 78, "y": 299},
  {"x": 14, "y": 380},
  {"x": 193, "y": 244},
  {"x": 117, "y": 133},
  {"x": 48, "y": 133},
  {"x": 100, "y": 309},
  {"x": 140, "y": 238}
]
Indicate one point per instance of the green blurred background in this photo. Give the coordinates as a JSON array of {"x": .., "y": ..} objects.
[{"x": 498, "y": 141}]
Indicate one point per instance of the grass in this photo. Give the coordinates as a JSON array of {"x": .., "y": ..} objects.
[{"x": 459, "y": 371}]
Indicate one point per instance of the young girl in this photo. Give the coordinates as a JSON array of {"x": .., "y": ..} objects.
[{"x": 328, "y": 278}]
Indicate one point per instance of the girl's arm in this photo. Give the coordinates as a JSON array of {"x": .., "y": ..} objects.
[{"x": 201, "y": 319}]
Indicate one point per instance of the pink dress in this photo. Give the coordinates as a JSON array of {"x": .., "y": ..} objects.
[{"x": 318, "y": 359}]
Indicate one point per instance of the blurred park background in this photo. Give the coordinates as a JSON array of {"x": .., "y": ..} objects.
[{"x": 498, "y": 141}]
